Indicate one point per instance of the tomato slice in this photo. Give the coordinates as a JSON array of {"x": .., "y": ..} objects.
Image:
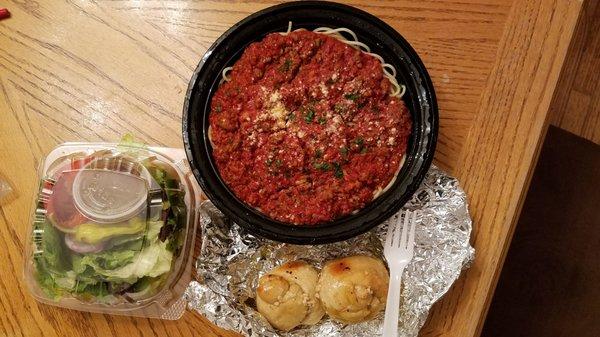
[
  {"x": 80, "y": 163},
  {"x": 60, "y": 207}
]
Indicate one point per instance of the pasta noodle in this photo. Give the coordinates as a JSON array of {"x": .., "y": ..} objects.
[
  {"x": 348, "y": 37},
  {"x": 389, "y": 71}
]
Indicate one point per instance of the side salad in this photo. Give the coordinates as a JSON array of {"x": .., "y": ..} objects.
[{"x": 106, "y": 262}]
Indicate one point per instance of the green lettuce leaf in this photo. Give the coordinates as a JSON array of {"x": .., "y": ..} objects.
[
  {"x": 146, "y": 286},
  {"x": 52, "y": 249},
  {"x": 172, "y": 232},
  {"x": 131, "y": 146},
  {"x": 137, "y": 258},
  {"x": 153, "y": 261},
  {"x": 103, "y": 261},
  {"x": 104, "y": 265},
  {"x": 52, "y": 261}
]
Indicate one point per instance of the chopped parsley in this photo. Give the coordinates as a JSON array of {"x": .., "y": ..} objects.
[
  {"x": 337, "y": 171},
  {"x": 310, "y": 115},
  {"x": 353, "y": 96},
  {"x": 322, "y": 120},
  {"x": 269, "y": 161},
  {"x": 290, "y": 117},
  {"x": 218, "y": 108},
  {"x": 278, "y": 162},
  {"x": 359, "y": 141},
  {"x": 322, "y": 166},
  {"x": 360, "y": 144},
  {"x": 318, "y": 153},
  {"x": 285, "y": 66},
  {"x": 338, "y": 108},
  {"x": 344, "y": 151}
]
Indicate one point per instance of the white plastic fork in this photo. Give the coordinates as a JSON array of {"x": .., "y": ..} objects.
[{"x": 398, "y": 251}]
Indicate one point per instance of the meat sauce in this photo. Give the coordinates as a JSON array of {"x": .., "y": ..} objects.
[{"x": 305, "y": 130}]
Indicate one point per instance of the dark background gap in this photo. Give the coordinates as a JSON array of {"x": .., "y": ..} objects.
[{"x": 550, "y": 283}]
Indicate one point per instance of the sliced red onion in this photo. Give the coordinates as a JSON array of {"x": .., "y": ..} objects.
[{"x": 81, "y": 247}]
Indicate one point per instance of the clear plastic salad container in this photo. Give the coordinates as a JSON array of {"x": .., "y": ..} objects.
[{"x": 113, "y": 230}]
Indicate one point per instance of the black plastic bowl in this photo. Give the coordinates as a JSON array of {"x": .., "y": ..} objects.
[{"x": 383, "y": 40}]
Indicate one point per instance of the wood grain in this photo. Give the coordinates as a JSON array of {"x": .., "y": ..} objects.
[
  {"x": 74, "y": 70},
  {"x": 576, "y": 103},
  {"x": 496, "y": 161},
  {"x": 548, "y": 286}
]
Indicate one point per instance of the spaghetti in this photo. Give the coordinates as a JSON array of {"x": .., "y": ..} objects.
[
  {"x": 310, "y": 126},
  {"x": 389, "y": 71}
]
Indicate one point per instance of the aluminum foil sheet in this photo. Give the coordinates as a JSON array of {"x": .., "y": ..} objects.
[{"x": 232, "y": 260}]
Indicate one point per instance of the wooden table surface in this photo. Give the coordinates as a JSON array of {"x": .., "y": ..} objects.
[{"x": 77, "y": 70}]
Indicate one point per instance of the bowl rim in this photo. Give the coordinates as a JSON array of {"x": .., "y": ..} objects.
[{"x": 338, "y": 229}]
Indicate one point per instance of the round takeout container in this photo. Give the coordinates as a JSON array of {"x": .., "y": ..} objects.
[
  {"x": 113, "y": 189},
  {"x": 383, "y": 40},
  {"x": 113, "y": 230}
]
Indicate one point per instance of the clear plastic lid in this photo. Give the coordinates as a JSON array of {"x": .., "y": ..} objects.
[{"x": 113, "y": 230}]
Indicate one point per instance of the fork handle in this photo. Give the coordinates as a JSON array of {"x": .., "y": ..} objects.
[{"x": 392, "y": 307}]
